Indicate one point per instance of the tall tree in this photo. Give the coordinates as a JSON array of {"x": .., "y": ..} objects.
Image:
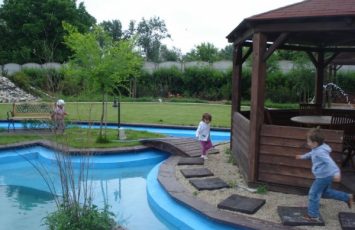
[
  {"x": 131, "y": 31},
  {"x": 204, "y": 52},
  {"x": 150, "y": 33},
  {"x": 167, "y": 54},
  {"x": 226, "y": 53},
  {"x": 114, "y": 28},
  {"x": 108, "y": 64},
  {"x": 32, "y": 30}
]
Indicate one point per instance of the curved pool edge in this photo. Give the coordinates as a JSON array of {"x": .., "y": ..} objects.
[
  {"x": 176, "y": 214},
  {"x": 70, "y": 150},
  {"x": 167, "y": 179}
]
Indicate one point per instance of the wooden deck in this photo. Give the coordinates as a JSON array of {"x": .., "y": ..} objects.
[{"x": 186, "y": 147}]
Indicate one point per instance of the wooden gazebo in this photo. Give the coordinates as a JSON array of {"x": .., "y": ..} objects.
[{"x": 265, "y": 148}]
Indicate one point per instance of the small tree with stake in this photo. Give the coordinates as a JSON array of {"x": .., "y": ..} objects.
[{"x": 106, "y": 63}]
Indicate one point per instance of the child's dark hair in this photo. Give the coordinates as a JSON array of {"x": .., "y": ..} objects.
[
  {"x": 207, "y": 116},
  {"x": 315, "y": 135}
]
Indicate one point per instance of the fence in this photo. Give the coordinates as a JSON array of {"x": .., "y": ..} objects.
[{"x": 150, "y": 67}]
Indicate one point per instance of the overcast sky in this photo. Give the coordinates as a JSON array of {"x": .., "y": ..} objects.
[{"x": 189, "y": 22}]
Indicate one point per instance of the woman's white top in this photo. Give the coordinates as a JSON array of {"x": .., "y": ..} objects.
[{"x": 203, "y": 131}]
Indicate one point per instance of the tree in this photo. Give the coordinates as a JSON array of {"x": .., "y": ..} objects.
[
  {"x": 204, "y": 52},
  {"x": 32, "y": 30},
  {"x": 131, "y": 31},
  {"x": 150, "y": 33},
  {"x": 107, "y": 63},
  {"x": 226, "y": 53},
  {"x": 167, "y": 54},
  {"x": 114, "y": 28}
]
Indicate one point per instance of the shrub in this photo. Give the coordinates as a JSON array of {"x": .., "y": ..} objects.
[
  {"x": 79, "y": 217},
  {"x": 21, "y": 80}
]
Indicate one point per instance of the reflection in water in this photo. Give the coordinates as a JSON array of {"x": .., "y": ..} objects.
[
  {"x": 26, "y": 198},
  {"x": 24, "y": 208}
]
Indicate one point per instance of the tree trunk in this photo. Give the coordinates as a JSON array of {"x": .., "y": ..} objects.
[{"x": 102, "y": 115}]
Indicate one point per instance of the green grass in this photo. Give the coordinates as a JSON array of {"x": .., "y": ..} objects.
[
  {"x": 80, "y": 138},
  {"x": 167, "y": 113}
]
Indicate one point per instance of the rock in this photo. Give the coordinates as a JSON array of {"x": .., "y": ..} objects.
[{"x": 9, "y": 93}]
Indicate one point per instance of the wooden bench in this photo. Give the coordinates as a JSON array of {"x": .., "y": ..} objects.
[{"x": 29, "y": 112}]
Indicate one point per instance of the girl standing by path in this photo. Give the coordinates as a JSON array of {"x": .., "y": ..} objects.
[{"x": 203, "y": 134}]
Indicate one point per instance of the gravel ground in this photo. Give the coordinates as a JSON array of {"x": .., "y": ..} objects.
[{"x": 218, "y": 164}]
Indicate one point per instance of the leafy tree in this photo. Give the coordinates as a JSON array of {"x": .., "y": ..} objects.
[
  {"x": 114, "y": 28},
  {"x": 131, "y": 31},
  {"x": 31, "y": 31},
  {"x": 204, "y": 52},
  {"x": 150, "y": 33},
  {"x": 167, "y": 54},
  {"x": 226, "y": 53},
  {"x": 108, "y": 64}
]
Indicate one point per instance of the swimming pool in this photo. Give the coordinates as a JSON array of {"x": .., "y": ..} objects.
[
  {"x": 216, "y": 135},
  {"x": 128, "y": 182}
]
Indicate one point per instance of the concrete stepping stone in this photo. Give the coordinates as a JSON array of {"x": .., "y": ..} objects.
[
  {"x": 209, "y": 183},
  {"x": 241, "y": 204},
  {"x": 196, "y": 172},
  {"x": 347, "y": 220},
  {"x": 191, "y": 161},
  {"x": 294, "y": 216}
]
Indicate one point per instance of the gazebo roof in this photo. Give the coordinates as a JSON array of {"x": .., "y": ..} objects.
[
  {"x": 346, "y": 58},
  {"x": 308, "y": 25},
  {"x": 310, "y": 8}
]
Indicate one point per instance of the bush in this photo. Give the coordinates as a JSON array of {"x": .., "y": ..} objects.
[
  {"x": 89, "y": 218},
  {"x": 21, "y": 80},
  {"x": 346, "y": 81},
  {"x": 48, "y": 80}
]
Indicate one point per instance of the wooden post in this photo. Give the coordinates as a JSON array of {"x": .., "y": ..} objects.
[
  {"x": 236, "y": 86},
  {"x": 257, "y": 102},
  {"x": 237, "y": 79},
  {"x": 319, "y": 79}
]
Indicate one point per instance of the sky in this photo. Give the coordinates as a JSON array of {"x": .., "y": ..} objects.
[{"x": 189, "y": 22}]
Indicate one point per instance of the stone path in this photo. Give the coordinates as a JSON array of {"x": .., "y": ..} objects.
[
  {"x": 203, "y": 179},
  {"x": 241, "y": 204},
  {"x": 294, "y": 216},
  {"x": 347, "y": 220}
]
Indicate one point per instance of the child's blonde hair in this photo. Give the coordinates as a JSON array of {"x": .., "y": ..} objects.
[
  {"x": 315, "y": 135},
  {"x": 206, "y": 116}
]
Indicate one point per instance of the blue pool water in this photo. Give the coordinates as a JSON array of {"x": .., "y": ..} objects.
[
  {"x": 217, "y": 136},
  {"x": 127, "y": 182}
]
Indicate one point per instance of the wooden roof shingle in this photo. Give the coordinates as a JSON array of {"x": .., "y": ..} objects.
[{"x": 310, "y": 8}]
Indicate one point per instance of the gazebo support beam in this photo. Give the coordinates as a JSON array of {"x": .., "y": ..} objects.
[
  {"x": 237, "y": 79},
  {"x": 279, "y": 41},
  {"x": 257, "y": 102},
  {"x": 320, "y": 78},
  {"x": 236, "y": 84},
  {"x": 247, "y": 54}
]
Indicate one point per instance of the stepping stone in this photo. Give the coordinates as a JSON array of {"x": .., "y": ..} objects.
[
  {"x": 191, "y": 161},
  {"x": 347, "y": 220},
  {"x": 294, "y": 216},
  {"x": 209, "y": 183},
  {"x": 242, "y": 204},
  {"x": 197, "y": 172}
]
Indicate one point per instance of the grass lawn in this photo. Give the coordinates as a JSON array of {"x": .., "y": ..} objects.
[
  {"x": 147, "y": 113},
  {"x": 79, "y": 138}
]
